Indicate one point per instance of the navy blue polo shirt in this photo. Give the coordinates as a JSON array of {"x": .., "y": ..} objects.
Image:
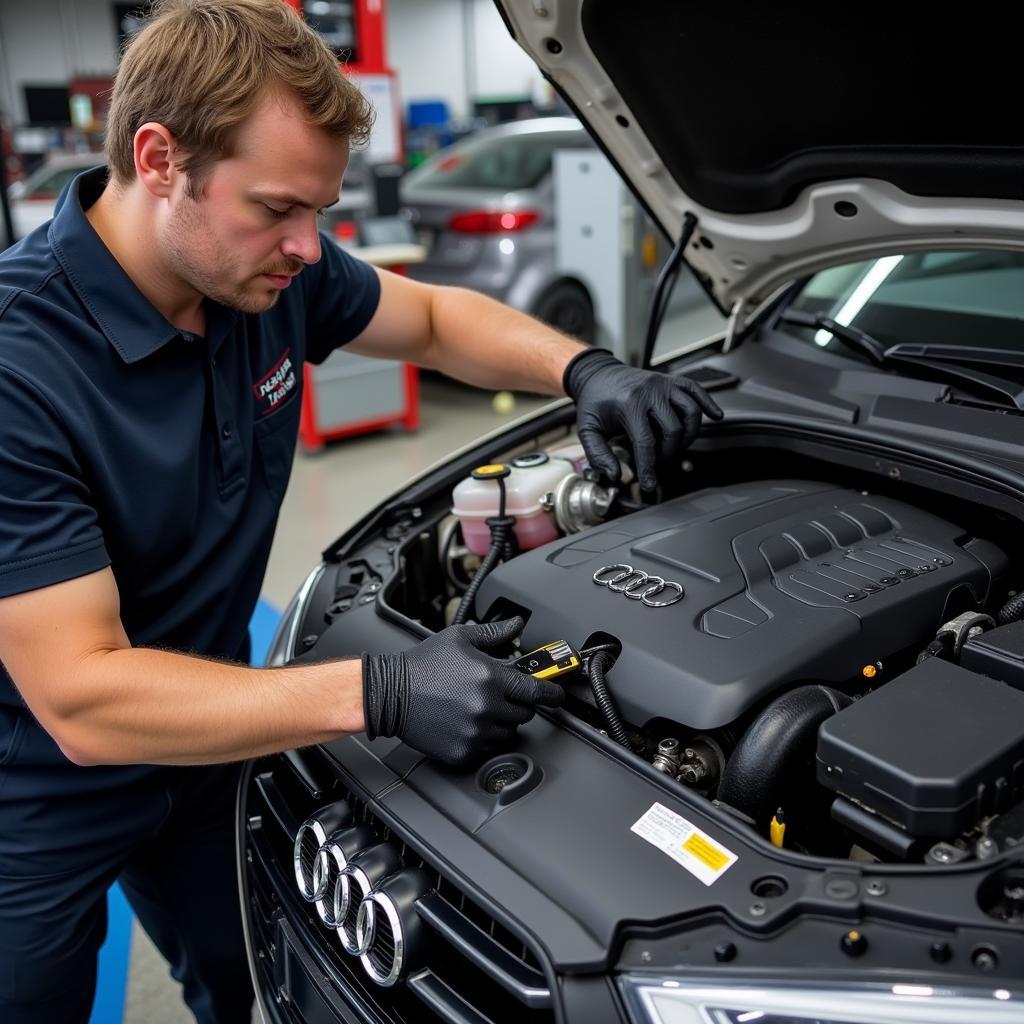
[{"x": 125, "y": 442}]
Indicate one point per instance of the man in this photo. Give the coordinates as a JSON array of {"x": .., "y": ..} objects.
[{"x": 141, "y": 471}]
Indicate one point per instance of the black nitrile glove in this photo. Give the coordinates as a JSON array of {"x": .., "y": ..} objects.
[
  {"x": 659, "y": 414},
  {"x": 450, "y": 699}
]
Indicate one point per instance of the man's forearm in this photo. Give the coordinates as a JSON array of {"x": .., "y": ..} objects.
[
  {"x": 483, "y": 342},
  {"x": 138, "y": 705}
]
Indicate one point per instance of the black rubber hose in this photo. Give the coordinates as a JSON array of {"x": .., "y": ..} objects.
[
  {"x": 753, "y": 777},
  {"x": 595, "y": 673},
  {"x": 501, "y": 540},
  {"x": 1012, "y": 610}
]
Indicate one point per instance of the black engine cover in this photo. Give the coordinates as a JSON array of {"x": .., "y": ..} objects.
[{"x": 784, "y": 581}]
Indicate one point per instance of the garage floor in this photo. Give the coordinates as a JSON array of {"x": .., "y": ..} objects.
[{"x": 327, "y": 493}]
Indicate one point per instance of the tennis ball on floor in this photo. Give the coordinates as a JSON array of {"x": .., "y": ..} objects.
[{"x": 504, "y": 402}]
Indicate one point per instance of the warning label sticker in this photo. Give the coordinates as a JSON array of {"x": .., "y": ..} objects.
[{"x": 686, "y": 844}]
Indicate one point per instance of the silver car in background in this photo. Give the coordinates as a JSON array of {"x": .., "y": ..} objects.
[
  {"x": 33, "y": 200},
  {"x": 485, "y": 210}
]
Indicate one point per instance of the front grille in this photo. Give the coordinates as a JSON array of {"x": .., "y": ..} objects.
[
  {"x": 307, "y": 853},
  {"x": 475, "y": 970},
  {"x": 382, "y": 962}
]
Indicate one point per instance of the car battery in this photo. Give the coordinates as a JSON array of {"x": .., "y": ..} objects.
[{"x": 933, "y": 751}]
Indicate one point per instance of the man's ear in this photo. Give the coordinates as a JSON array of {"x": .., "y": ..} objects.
[{"x": 155, "y": 150}]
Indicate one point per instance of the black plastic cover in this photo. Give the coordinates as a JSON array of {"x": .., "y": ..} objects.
[
  {"x": 998, "y": 653},
  {"x": 784, "y": 581},
  {"x": 933, "y": 751}
]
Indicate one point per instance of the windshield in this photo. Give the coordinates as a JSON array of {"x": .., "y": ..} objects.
[
  {"x": 941, "y": 298},
  {"x": 505, "y": 162}
]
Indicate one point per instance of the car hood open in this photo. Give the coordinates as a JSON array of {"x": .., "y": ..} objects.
[{"x": 800, "y": 136}]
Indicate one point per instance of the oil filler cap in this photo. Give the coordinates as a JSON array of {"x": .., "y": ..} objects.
[{"x": 507, "y": 777}]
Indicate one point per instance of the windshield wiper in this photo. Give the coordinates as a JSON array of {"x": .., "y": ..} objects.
[
  {"x": 961, "y": 354},
  {"x": 942, "y": 361},
  {"x": 851, "y": 336}
]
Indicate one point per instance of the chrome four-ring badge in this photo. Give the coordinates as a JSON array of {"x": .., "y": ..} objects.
[
  {"x": 650, "y": 591},
  {"x": 360, "y": 890}
]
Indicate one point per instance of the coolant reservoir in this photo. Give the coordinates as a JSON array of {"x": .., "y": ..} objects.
[
  {"x": 531, "y": 477},
  {"x": 572, "y": 453}
]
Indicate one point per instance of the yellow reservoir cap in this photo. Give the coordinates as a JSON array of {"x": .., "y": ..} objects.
[{"x": 494, "y": 471}]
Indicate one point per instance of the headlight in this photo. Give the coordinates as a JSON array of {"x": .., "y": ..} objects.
[
  {"x": 661, "y": 1000},
  {"x": 282, "y": 647}
]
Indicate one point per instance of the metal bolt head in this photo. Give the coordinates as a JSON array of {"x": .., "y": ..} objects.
[
  {"x": 943, "y": 853},
  {"x": 985, "y": 848},
  {"x": 758, "y": 909},
  {"x": 941, "y": 952},
  {"x": 985, "y": 958},
  {"x": 877, "y": 888},
  {"x": 690, "y": 754},
  {"x": 646, "y": 956}
]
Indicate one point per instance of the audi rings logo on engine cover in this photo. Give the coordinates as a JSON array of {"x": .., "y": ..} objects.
[{"x": 651, "y": 591}]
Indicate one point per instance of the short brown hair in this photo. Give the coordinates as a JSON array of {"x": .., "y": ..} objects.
[{"x": 200, "y": 67}]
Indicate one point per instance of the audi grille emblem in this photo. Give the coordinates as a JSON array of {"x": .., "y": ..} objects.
[
  {"x": 357, "y": 884},
  {"x": 651, "y": 591}
]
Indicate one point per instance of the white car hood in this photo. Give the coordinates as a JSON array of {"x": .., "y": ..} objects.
[{"x": 799, "y": 136}]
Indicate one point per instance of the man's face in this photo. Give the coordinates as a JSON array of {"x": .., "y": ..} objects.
[{"x": 253, "y": 228}]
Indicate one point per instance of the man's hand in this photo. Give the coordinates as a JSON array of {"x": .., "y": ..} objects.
[
  {"x": 659, "y": 414},
  {"x": 450, "y": 699}
]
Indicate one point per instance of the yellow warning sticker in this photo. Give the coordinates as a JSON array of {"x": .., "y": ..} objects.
[
  {"x": 704, "y": 850},
  {"x": 704, "y": 857}
]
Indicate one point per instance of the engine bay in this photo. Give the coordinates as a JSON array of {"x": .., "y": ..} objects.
[
  {"x": 774, "y": 634},
  {"x": 775, "y": 582}
]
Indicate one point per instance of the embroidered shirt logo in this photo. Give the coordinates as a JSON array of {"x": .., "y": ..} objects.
[{"x": 272, "y": 389}]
